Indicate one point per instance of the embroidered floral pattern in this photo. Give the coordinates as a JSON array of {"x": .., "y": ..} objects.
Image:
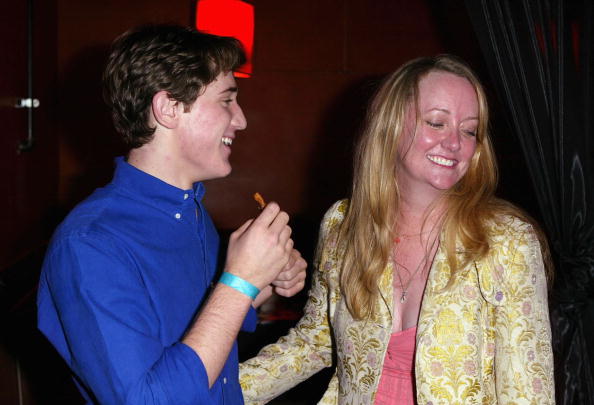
[{"x": 484, "y": 340}]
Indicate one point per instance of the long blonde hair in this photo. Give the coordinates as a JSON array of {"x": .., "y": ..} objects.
[{"x": 367, "y": 229}]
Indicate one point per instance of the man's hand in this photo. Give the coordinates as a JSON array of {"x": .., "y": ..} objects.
[
  {"x": 291, "y": 279},
  {"x": 261, "y": 248}
]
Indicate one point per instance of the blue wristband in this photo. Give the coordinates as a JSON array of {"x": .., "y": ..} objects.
[{"x": 240, "y": 285}]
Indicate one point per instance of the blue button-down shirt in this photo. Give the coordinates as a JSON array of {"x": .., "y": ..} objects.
[{"x": 122, "y": 281}]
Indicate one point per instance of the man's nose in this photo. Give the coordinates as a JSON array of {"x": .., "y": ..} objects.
[{"x": 238, "y": 121}]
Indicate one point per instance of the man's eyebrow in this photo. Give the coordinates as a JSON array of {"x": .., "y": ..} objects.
[{"x": 230, "y": 90}]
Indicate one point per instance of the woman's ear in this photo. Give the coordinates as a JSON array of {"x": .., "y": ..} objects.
[{"x": 165, "y": 110}]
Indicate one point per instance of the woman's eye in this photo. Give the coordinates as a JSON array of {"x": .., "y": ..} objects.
[
  {"x": 470, "y": 133},
  {"x": 228, "y": 101},
  {"x": 434, "y": 124}
]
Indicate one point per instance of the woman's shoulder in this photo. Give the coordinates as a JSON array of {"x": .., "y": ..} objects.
[
  {"x": 330, "y": 227},
  {"x": 513, "y": 257},
  {"x": 508, "y": 222},
  {"x": 515, "y": 239},
  {"x": 337, "y": 211},
  {"x": 334, "y": 216},
  {"x": 505, "y": 227}
]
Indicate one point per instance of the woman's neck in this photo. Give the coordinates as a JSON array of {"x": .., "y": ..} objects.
[{"x": 416, "y": 216}]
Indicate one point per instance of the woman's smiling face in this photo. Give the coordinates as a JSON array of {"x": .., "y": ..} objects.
[{"x": 436, "y": 149}]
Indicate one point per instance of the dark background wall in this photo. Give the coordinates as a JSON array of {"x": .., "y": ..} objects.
[{"x": 316, "y": 63}]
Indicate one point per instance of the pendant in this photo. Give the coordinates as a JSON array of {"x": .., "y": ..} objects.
[{"x": 403, "y": 297}]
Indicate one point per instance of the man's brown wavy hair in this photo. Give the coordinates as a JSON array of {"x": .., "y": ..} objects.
[{"x": 152, "y": 58}]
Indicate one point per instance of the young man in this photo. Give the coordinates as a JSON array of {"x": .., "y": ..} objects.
[{"x": 127, "y": 294}]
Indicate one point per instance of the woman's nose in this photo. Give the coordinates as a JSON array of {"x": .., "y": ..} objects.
[{"x": 451, "y": 140}]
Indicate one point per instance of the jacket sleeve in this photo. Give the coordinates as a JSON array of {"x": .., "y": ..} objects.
[
  {"x": 93, "y": 308},
  {"x": 306, "y": 349},
  {"x": 523, "y": 354}
]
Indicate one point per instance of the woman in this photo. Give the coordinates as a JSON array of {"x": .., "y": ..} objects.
[{"x": 426, "y": 285}]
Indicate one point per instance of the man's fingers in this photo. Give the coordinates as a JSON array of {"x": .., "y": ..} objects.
[
  {"x": 293, "y": 274},
  {"x": 261, "y": 248},
  {"x": 280, "y": 222},
  {"x": 240, "y": 231},
  {"x": 284, "y": 238},
  {"x": 289, "y": 246},
  {"x": 268, "y": 215},
  {"x": 292, "y": 259},
  {"x": 294, "y": 266},
  {"x": 289, "y": 292}
]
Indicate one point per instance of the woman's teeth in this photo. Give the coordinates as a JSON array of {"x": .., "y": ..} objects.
[
  {"x": 441, "y": 161},
  {"x": 227, "y": 141}
]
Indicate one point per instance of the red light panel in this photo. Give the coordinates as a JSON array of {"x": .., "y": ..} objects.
[{"x": 230, "y": 18}]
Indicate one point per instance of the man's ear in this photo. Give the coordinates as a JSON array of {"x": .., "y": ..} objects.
[{"x": 166, "y": 110}]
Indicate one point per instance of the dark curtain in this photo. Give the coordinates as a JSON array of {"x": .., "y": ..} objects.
[{"x": 540, "y": 56}]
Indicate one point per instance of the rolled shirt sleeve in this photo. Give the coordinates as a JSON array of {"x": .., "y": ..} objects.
[
  {"x": 124, "y": 277},
  {"x": 110, "y": 334}
]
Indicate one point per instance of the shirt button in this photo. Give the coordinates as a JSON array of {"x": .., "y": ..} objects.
[
  {"x": 186, "y": 195},
  {"x": 224, "y": 380},
  {"x": 177, "y": 215}
]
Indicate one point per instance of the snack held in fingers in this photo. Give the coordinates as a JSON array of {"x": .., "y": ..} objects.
[{"x": 260, "y": 200}]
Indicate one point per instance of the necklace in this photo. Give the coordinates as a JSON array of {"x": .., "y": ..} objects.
[
  {"x": 399, "y": 238},
  {"x": 421, "y": 265}
]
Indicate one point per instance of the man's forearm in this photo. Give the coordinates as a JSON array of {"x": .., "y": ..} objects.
[{"x": 216, "y": 328}]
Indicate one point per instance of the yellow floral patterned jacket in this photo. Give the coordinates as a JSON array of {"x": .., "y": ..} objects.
[{"x": 484, "y": 340}]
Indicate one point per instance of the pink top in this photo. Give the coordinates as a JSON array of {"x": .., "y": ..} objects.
[{"x": 396, "y": 385}]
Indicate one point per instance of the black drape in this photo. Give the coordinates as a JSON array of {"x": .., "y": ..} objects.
[{"x": 540, "y": 56}]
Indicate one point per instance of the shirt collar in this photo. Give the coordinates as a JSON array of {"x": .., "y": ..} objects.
[{"x": 141, "y": 184}]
